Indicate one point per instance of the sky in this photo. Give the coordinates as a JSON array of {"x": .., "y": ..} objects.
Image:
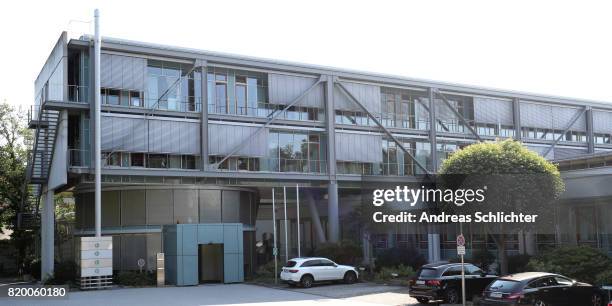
[{"x": 559, "y": 48}]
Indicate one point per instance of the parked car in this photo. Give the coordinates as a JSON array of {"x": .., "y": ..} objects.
[
  {"x": 309, "y": 270},
  {"x": 442, "y": 281},
  {"x": 540, "y": 289}
]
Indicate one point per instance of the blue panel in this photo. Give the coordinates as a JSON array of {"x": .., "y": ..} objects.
[
  {"x": 179, "y": 271},
  {"x": 231, "y": 268},
  {"x": 190, "y": 270},
  {"x": 210, "y": 233},
  {"x": 190, "y": 239},
  {"x": 170, "y": 269},
  {"x": 231, "y": 238},
  {"x": 179, "y": 240}
]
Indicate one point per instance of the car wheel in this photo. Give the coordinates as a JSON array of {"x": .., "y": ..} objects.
[
  {"x": 596, "y": 300},
  {"x": 350, "y": 277},
  {"x": 423, "y": 300},
  {"x": 452, "y": 296},
  {"x": 539, "y": 303},
  {"x": 306, "y": 281}
]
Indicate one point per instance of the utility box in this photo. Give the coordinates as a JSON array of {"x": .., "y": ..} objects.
[
  {"x": 161, "y": 270},
  {"x": 95, "y": 258}
]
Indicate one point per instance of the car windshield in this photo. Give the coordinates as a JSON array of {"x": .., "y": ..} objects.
[
  {"x": 428, "y": 272},
  {"x": 504, "y": 285},
  {"x": 290, "y": 264}
]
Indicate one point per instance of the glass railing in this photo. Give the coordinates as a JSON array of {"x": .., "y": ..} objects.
[
  {"x": 64, "y": 93},
  {"x": 297, "y": 113},
  {"x": 183, "y": 104},
  {"x": 388, "y": 120},
  {"x": 275, "y": 165}
]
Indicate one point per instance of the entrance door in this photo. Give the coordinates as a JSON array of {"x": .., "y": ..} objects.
[{"x": 210, "y": 258}]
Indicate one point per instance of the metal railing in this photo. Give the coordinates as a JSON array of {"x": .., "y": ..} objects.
[
  {"x": 55, "y": 92},
  {"x": 184, "y": 104},
  {"x": 78, "y": 158},
  {"x": 275, "y": 165}
]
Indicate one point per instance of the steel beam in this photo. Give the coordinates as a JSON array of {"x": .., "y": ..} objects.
[
  {"x": 399, "y": 144},
  {"x": 569, "y": 125},
  {"x": 461, "y": 118},
  {"x": 270, "y": 120},
  {"x": 330, "y": 127}
]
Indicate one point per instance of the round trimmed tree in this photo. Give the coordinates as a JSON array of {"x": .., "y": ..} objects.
[{"x": 516, "y": 179}]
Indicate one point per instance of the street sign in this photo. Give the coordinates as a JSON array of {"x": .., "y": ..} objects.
[
  {"x": 460, "y": 250},
  {"x": 460, "y": 240}
]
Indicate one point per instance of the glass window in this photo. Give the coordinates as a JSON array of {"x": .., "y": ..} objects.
[
  {"x": 113, "y": 97},
  {"x": 175, "y": 161},
  {"x": 135, "y": 99},
  {"x": 158, "y": 161},
  {"x": 137, "y": 160},
  {"x": 241, "y": 99},
  {"x": 221, "y": 97},
  {"x": 563, "y": 281},
  {"x": 125, "y": 98},
  {"x": 189, "y": 162}
]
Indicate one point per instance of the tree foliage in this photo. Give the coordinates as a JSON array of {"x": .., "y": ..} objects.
[
  {"x": 583, "y": 263},
  {"x": 517, "y": 180},
  {"x": 14, "y": 137}
]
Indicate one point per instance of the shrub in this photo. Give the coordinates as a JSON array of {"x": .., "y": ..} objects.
[
  {"x": 346, "y": 252},
  {"x": 135, "y": 278},
  {"x": 604, "y": 278},
  {"x": 34, "y": 269},
  {"x": 401, "y": 271},
  {"x": 483, "y": 258},
  {"x": 394, "y": 257},
  {"x": 518, "y": 263},
  {"x": 579, "y": 262},
  {"x": 65, "y": 271},
  {"x": 266, "y": 272}
]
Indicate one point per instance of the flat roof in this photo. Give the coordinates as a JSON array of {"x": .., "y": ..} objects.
[{"x": 272, "y": 64}]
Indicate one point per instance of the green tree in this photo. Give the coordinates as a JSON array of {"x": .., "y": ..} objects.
[
  {"x": 517, "y": 180},
  {"x": 583, "y": 263},
  {"x": 14, "y": 136}
]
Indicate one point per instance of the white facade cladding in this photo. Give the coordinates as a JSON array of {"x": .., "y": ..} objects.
[
  {"x": 123, "y": 72},
  {"x": 223, "y": 138},
  {"x": 492, "y": 110},
  {"x": 140, "y": 134},
  {"x": 359, "y": 147},
  {"x": 52, "y": 78},
  {"x": 367, "y": 94},
  {"x": 551, "y": 116},
  {"x": 283, "y": 89}
]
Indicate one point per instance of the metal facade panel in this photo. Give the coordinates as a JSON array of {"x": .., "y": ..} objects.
[
  {"x": 496, "y": 111},
  {"x": 122, "y": 72},
  {"x": 106, "y": 132},
  {"x": 105, "y": 70},
  {"x": 602, "y": 121},
  {"x": 116, "y": 71},
  {"x": 368, "y": 95},
  {"x": 283, "y": 89},
  {"x": 562, "y": 116},
  {"x": 178, "y": 137},
  {"x": 536, "y": 115},
  {"x": 223, "y": 138},
  {"x": 359, "y": 147}
]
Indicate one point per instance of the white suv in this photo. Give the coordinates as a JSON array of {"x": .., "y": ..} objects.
[{"x": 306, "y": 271}]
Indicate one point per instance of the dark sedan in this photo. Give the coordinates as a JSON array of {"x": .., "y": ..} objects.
[
  {"x": 442, "y": 281},
  {"x": 540, "y": 289}
]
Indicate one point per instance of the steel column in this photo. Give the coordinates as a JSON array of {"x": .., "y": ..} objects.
[
  {"x": 516, "y": 117},
  {"x": 48, "y": 236},
  {"x": 433, "y": 130},
  {"x": 97, "y": 137},
  {"x": 204, "y": 117},
  {"x": 333, "y": 217},
  {"x": 590, "y": 132}
]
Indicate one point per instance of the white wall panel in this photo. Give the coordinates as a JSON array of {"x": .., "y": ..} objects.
[{"x": 489, "y": 110}]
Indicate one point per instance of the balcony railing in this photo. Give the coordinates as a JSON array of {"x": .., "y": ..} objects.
[
  {"x": 63, "y": 93},
  {"x": 298, "y": 113}
]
